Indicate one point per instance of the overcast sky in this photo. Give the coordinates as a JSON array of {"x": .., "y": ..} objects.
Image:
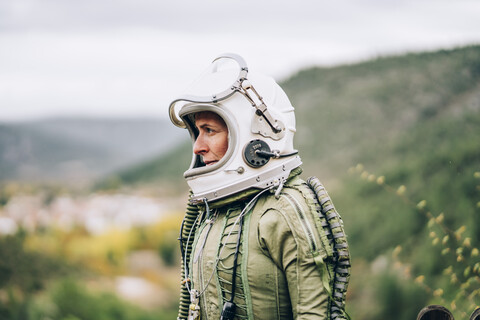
[{"x": 131, "y": 57}]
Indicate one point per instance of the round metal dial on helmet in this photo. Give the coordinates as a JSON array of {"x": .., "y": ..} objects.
[{"x": 251, "y": 157}]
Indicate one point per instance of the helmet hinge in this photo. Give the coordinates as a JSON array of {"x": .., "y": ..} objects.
[{"x": 261, "y": 109}]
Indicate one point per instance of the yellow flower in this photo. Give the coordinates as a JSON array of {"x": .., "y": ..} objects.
[
  {"x": 460, "y": 231},
  {"x": 448, "y": 270},
  {"x": 440, "y": 218},
  {"x": 467, "y": 242},
  {"x": 397, "y": 251},
  {"x": 453, "y": 278},
  {"x": 438, "y": 292},
  {"x": 466, "y": 272},
  {"x": 421, "y": 204},
  {"x": 381, "y": 180},
  {"x": 476, "y": 267},
  {"x": 401, "y": 190},
  {"x": 419, "y": 279},
  {"x": 445, "y": 239},
  {"x": 464, "y": 286},
  {"x": 474, "y": 252},
  {"x": 453, "y": 305}
]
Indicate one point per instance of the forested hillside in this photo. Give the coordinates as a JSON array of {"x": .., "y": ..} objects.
[
  {"x": 77, "y": 150},
  {"x": 396, "y": 140}
]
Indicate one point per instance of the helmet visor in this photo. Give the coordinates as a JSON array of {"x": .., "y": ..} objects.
[{"x": 207, "y": 124}]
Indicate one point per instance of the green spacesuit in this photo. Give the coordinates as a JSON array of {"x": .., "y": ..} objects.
[
  {"x": 257, "y": 241},
  {"x": 283, "y": 266}
]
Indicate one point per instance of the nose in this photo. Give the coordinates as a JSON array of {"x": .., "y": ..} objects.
[{"x": 200, "y": 147}]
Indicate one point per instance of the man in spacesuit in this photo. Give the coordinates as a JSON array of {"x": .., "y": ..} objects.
[{"x": 257, "y": 241}]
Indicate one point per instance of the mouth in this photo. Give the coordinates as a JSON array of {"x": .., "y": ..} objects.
[{"x": 209, "y": 163}]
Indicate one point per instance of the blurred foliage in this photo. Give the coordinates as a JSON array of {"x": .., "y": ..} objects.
[
  {"x": 67, "y": 299},
  {"x": 440, "y": 255},
  {"x": 23, "y": 274},
  {"x": 31, "y": 264},
  {"x": 393, "y": 294},
  {"x": 73, "y": 301},
  {"x": 163, "y": 238},
  {"x": 106, "y": 253},
  {"x": 26, "y": 270}
]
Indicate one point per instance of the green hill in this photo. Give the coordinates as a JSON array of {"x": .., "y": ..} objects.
[
  {"x": 410, "y": 120},
  {"x": 415, "y": 120},
  {"x": 77, "y": 150},
  {"x": 357, "y": 113}
]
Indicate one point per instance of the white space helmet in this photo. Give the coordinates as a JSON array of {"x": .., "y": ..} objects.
[{"x": 260, "y": 121}]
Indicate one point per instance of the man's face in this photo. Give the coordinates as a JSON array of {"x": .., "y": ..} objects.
[{"x": 212, "y": 140}]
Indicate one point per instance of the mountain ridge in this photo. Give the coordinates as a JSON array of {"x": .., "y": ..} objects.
[{"x": 61, "y": 149}]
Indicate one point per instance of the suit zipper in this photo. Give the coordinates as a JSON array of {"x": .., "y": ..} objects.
[{"x": 307, "y": 228}]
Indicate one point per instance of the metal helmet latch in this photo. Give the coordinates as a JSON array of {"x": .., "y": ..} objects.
[{"x": 261, "y": 111}]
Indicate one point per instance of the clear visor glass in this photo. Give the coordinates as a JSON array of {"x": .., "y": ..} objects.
[
  {"x": 221, "y": 118},
  {"x": 217, "y": 143}
]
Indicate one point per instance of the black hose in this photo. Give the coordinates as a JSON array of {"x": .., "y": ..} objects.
[{"x": 267, "y": 154}]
